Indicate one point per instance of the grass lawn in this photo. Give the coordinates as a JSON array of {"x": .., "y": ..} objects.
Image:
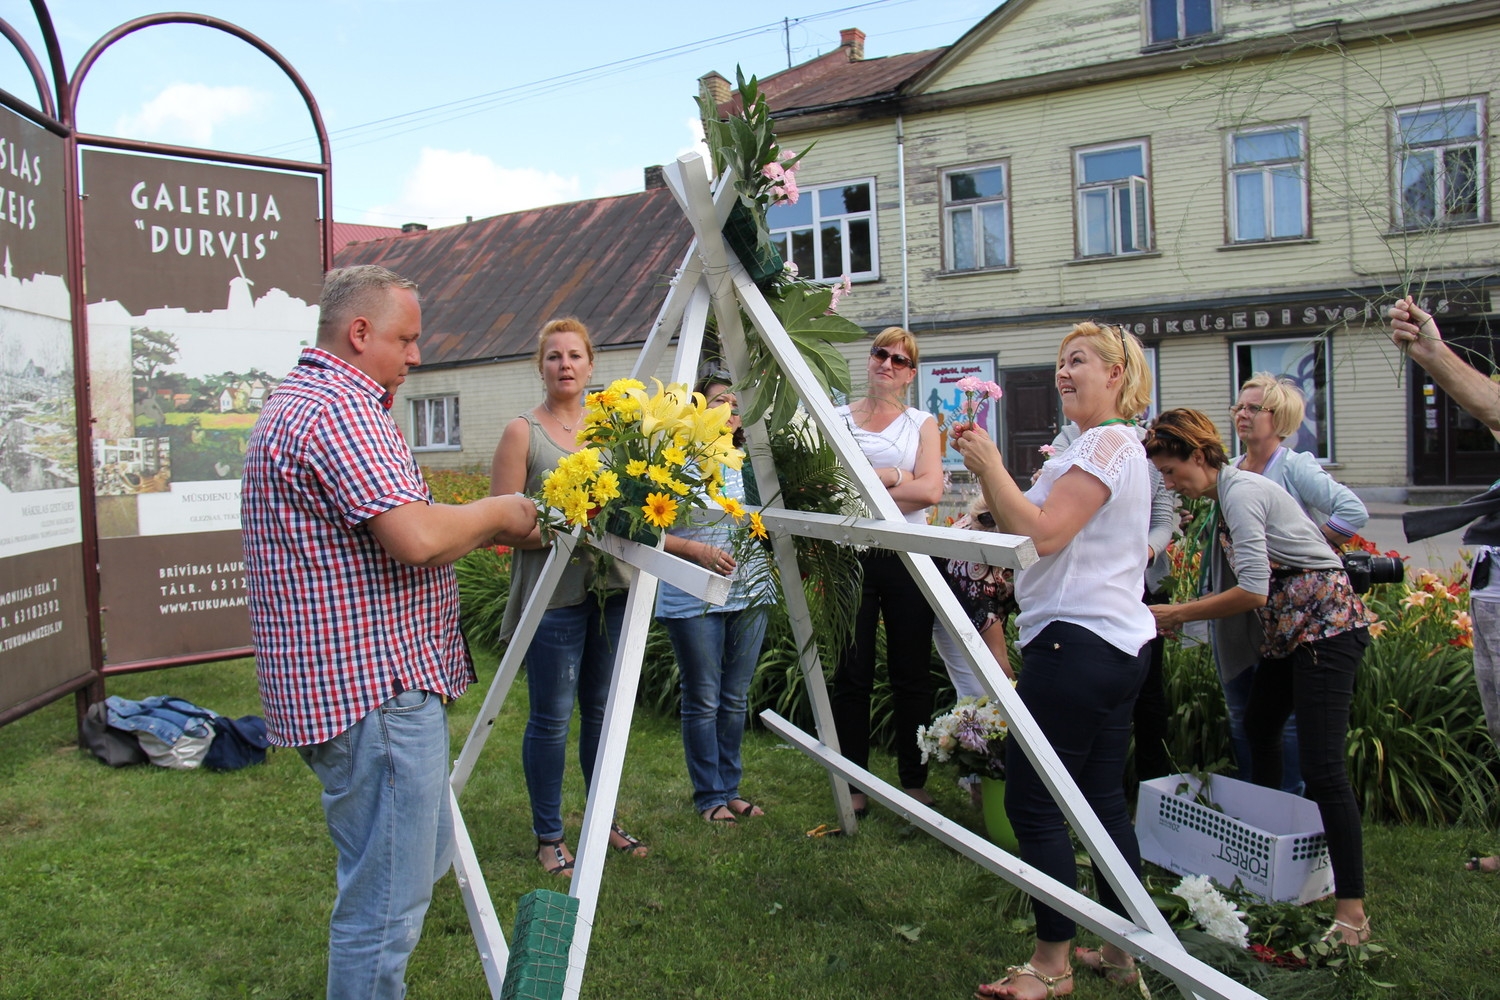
[{"x": 155, "y": 884}]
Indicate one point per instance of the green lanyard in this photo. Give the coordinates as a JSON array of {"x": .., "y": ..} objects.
[{"x": 1205, "y": 538}]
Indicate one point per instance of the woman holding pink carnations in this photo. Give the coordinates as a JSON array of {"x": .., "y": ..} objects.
[{"x": 1083, "y": 630}]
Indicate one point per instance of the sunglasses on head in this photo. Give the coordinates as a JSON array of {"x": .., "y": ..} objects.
[
  {"x": 985, "y": 518},
  {"x": 898, "y": 360}
]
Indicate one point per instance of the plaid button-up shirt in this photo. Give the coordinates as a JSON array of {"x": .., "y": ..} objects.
[{"x": 339, "y": 626}]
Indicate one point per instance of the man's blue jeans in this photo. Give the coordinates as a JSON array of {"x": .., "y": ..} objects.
[
  {"x": 716, "y": 657},
  {"x": 572, "y": 653},
  {"x": 385, "y": 795},
  {"x": 1237, "y": 698}
]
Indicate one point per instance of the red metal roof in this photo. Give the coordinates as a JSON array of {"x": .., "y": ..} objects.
[
  {"x": 345, "y": 233},
  {"x": 833, "y": 79},
  {"x": 488, "y": 286}
]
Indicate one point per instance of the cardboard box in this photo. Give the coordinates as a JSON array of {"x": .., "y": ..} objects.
[{"x": 1270, "y": 841}]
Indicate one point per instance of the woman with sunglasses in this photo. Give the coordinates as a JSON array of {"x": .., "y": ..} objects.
[
  {"x": 902, "y": 444},
  {"x": 1270, "y": 410},
  {"x": 1314, "y": 630},
  {"x": 1083, "y": 630}
]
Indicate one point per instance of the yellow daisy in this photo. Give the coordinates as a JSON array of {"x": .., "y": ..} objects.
[
  {"x": 660, "y": 510},
  {"x": 732, "y": 507},
  {"x": 635, "y": 467},
  {"x": 757, "y": 526}
]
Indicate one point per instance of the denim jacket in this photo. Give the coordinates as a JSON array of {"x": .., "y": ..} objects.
[{"x": 163, "y": 716}]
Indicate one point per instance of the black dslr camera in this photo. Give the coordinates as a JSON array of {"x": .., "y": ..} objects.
[{"x": 1366, "y": 570}]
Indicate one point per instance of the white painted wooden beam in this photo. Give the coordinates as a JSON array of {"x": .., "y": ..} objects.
[
  {"x": 688, "y": 577},
  {"x": 1164, "y": 953},
  {"x": 1013, "y": 551}
]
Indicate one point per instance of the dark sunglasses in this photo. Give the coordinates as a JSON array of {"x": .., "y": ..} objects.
[
  {"x": 985, "y": 518},
  {"x": 898, "y": 360}
]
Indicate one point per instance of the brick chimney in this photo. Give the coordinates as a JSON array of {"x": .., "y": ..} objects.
[
  {"x": 854, "y": 40},
  {"x": 713, "y": 85},
  {"x": 656, "y": 178},
  {"x": 413, "y": 227}
]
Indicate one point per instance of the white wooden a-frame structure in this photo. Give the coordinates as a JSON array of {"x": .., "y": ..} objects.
[{"x": 712, "y": 278}]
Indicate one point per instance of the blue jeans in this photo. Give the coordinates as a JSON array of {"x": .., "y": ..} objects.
[
  {"x": 716, "y": 657},
  {"x": 1237, "y": 698},
  {"x": 1081, "y": 690},
  {"x": 572, "y": 653},
  {"x": 385, "y": 795}
]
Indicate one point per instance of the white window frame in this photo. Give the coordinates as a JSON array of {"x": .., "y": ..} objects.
[
  {"x": 781, "y": 236},
  {"x": 1266, "y": 168},
  {"x": 1318, "y": 421},
  {"x": 452, "y": 437},
  {"x": 1481, "y": 145},
  {"x": 1153, "y": 365},
  {"x": 1139, "y": 190},
  {"x": 1181, "y": 36},
  {"x": 975, "y": 207}
]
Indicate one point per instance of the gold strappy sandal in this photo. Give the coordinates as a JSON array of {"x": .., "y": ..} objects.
[{"x": 988, "y": 991}]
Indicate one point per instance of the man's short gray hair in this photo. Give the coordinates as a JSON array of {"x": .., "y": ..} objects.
[{"x": 353, "y": 291}]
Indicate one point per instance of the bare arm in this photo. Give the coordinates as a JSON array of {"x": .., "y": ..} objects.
[
  {"x": 923, "y": 486},
  {"x": 1224, "y": 604},
  {"x": 508, "y": 471},
  {"x": 1075, "y": 498},
  {"x": 420, "y": 534},
  {"x": 1414, "y": 331},
  {"x": 994, "y": 639},
  {"x": 702, "y": 553}
]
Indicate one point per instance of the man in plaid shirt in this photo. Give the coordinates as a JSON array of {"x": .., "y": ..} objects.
[{"x": 354, "y": 613}]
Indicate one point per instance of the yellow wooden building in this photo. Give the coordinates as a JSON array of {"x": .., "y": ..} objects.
[{"x": 1243, "y": 183}]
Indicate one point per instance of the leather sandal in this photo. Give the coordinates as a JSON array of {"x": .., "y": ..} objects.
[
  {"x": 720, "y": 815},
  {"x": 749, "y": 808},
  {"x": 632, "y": 846},
  {"x": 561, "y": 863},
  {"x": 1477, "y": 863},
  {"x": 989, "y": 991},
  {"x": 1334, "y": 934},
  {"x": 1120, "y": 975}
]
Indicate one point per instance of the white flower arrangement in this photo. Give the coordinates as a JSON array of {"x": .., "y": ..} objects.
[
  {"x": 1219, "y": 918},
  {"x": 973, "y": 733}
]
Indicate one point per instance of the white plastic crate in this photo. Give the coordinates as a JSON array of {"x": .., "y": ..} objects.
[{"x": 1270, "y": 841}]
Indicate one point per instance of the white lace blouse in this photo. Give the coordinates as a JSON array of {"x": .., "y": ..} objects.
[{"x": 1095, "y": 580}]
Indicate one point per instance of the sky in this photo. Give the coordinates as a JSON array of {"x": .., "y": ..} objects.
[{"x": 442, "y": 110}]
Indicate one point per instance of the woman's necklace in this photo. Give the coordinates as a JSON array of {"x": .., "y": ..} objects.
[
  {"x": 1116, "y": 420},
  {"x": 567, "y": 427},
  {"x": 870, "y": 410}
]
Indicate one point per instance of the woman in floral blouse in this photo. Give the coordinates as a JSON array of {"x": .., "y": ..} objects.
[{"x": 1271, "y": 558}]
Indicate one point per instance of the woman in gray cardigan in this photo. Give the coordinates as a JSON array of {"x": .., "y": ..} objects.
[
  {"x": 1271, "y": 559},
  {"x": 1270, "y": 410}
]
